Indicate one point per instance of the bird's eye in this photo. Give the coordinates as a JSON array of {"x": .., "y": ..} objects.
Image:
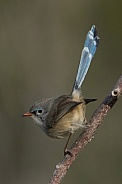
[{"x": 39, "y": 111}]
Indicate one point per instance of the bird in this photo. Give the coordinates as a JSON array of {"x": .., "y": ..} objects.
[{"x": 62, "y": 116}]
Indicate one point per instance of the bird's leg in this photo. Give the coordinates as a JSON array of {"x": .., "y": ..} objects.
[{"x": 66, "y": 151}]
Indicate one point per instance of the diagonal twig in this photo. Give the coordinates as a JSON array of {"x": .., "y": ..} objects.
[{"x": 88, "y": 134}]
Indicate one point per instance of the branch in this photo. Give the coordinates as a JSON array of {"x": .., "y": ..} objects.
[{"x": 88, "y": 134}]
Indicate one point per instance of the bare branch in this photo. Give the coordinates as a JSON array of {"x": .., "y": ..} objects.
[{"x": 88, "y": 134}]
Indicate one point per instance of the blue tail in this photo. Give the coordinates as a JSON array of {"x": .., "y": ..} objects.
[{"x": 90, "y": 46}]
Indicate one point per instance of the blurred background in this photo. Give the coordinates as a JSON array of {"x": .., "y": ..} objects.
[{"x": 40, "y": 47}]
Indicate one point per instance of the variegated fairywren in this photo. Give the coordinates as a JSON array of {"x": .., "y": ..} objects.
[{"x": 61, "y": 117}]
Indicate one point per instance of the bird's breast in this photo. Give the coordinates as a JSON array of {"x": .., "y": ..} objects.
[{"x": 69, "y": 123}]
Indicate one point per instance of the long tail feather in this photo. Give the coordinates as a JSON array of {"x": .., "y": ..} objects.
[{"x": 90, "y": 46}]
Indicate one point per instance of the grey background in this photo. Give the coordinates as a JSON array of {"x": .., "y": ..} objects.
[{"x": 40, "y": 46}]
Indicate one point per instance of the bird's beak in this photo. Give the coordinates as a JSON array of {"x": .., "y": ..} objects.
[{"x": 27, "y": 114}]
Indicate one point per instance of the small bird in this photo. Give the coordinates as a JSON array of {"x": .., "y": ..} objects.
[{"x": 62, "y": 116}]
